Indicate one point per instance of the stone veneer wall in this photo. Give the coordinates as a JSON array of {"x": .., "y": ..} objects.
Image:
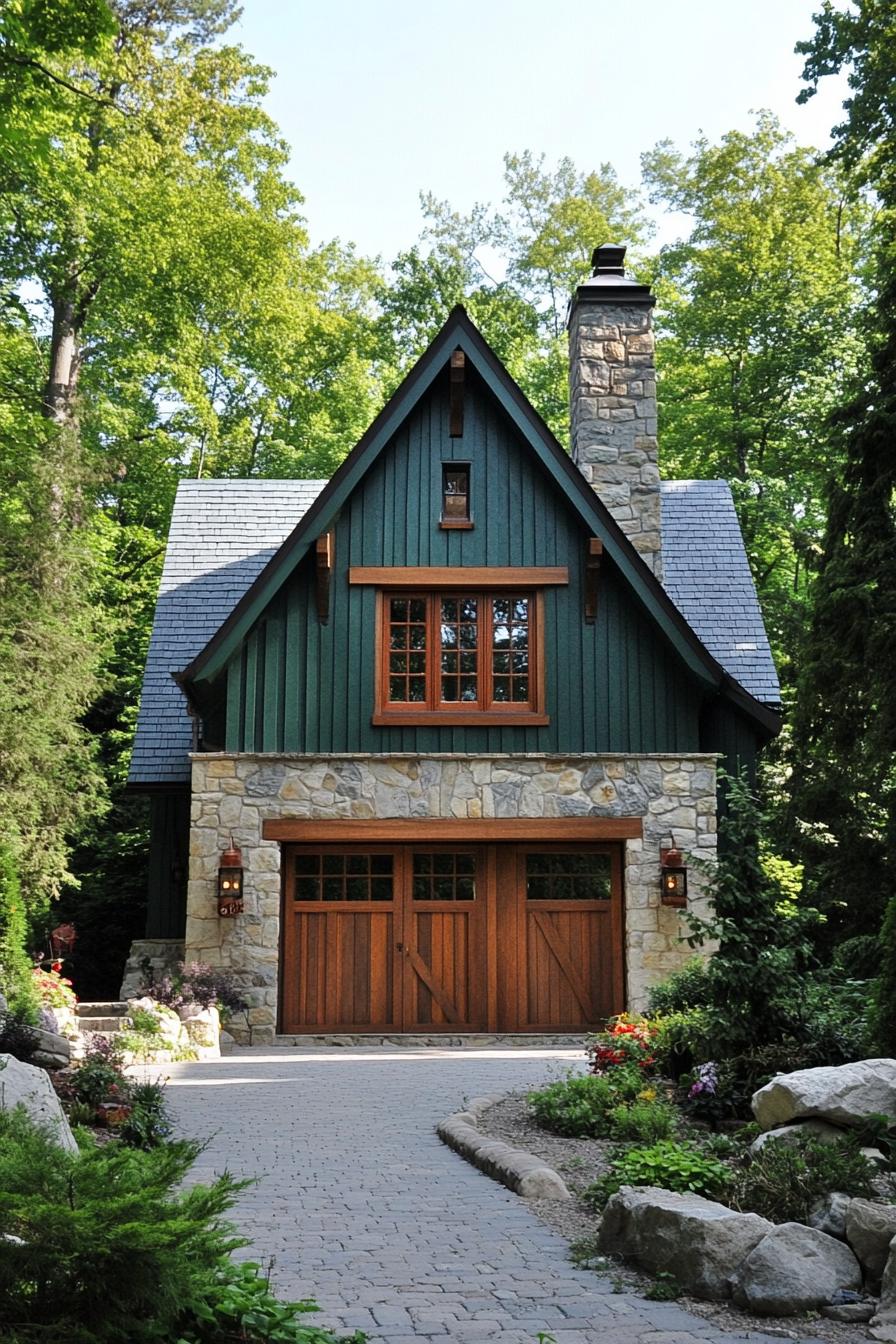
[
  {"x": 234, "y": 795},
  {"x": 613, "y": 420}
]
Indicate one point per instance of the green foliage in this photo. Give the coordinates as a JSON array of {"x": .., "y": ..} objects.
[
  {"x": 884, "y": 1021},
  {"x": 666, "y": 1164},
  {"x": 760, "y": 958},
  {"x": 758, "y": 337},
  {"x": 785, "y": 1181},
  {"x": 240, "y": 1306},
  {"x": 582, "y": 1105},
  {"x": 149, "y": 1123},
  {"x": 16, "y": 983},
  {"x": 95, "y": 1079},
  {"x": 843, "y": 788},
  {"x": 108, "y": 1248},
  {"x": 665, "y": 1288},
  {"x": 684, "y": 1039},
  {"x": 686, "y": 988},
  {"x": 641, "y": 1121}
]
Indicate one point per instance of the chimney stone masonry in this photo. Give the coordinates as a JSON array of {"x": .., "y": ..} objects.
[{"x": 612, "y": 398}]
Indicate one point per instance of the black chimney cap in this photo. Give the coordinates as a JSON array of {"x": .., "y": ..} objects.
[
  {"x": 608, "y": 282},
  {"x": 607, "y": 259}
]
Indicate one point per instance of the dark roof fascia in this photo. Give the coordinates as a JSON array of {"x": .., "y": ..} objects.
[
  {"x": 766, "y": 717},
  {"x": 460, "y": 331},
  {"x": 157, "y": 786}
]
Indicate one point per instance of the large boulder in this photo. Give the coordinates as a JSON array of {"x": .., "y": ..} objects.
[
  {"x": 829, "y": 1214},
  {"x": 794, "y": 1269},
  {"x": 883, "y": 1326},
  {"x": 846, "y": 1095},
  {"x": 203, "y": 1030},
  {"x": 53, "y": 1051},
  {"x": 700, "y": 1242},
  {"x": 30, "y": 1087},
  {"x": 813, "y": 1129},
  {"x": 870, "y": 1228}
]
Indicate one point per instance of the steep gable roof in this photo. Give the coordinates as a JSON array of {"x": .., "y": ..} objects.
[
  {"x": 223, "y": 534},
  {"x": 460, "y": 333},
  {"x": 707, "y": 575}
]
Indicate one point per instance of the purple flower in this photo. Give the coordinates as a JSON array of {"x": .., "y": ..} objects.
[{"x": 706, "y": 1083}]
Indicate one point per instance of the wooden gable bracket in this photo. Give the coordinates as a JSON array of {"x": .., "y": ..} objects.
[
  {"x": 593, "y": 558},
  {"x": 324, "y": 551},
  {"x": 456, "y": 412}
]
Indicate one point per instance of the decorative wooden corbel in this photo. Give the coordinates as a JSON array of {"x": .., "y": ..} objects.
[
  {"x": 593, "y": 557},
  {"x": 324, "y": 552},
  {"x": 456, "y": 415}
]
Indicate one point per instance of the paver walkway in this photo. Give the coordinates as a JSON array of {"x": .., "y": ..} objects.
[{"x": 365, "y": 1210}]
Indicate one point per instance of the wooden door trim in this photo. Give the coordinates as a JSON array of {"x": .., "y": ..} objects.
[
  {"x": 453, "y": 831},
  {"x": 420, "y": 969}
]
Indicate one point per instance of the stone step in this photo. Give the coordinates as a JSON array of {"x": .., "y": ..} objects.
[
  {"x": 470, "y": 1040},
  {"x": 112, "y": 1009},
  {"x": 104, "y": 1026}
]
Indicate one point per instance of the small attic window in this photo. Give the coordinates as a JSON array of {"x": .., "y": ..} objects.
[{"x": 456, "y": 495}]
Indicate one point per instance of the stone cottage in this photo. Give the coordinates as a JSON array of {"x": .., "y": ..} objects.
[{"x": 454, "y": 706}]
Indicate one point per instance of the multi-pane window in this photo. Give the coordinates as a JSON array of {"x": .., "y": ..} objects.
[
  {"x": 343, "y": 877},
  {"x": 459, "y": 651},
  {"x": 444, "y": 877},
  {"x": 568, "y": 877}
]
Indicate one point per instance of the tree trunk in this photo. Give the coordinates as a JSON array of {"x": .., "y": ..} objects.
[{"x": 65, "y": 361}]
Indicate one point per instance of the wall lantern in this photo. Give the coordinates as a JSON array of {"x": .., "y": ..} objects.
[
  {"x": 230, "y": 882},
  {"x": 673, "y": 877}
]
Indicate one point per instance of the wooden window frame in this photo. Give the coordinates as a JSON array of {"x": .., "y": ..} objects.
[
  {"x": 433, "y": 712},
  {"x": 449, "y": 522}
]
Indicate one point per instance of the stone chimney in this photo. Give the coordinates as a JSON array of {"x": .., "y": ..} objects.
[{"x": 612, "y": 398}]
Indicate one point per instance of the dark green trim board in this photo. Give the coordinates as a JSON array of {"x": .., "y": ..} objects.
[
  {"x": 534, "y": 441},
  {"x": 169, "y": 848}
]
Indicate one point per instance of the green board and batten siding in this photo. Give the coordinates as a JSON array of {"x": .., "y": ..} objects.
[{"x": 297, "y": 685}]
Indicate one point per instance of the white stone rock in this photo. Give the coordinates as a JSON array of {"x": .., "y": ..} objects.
[
  {"x": 653, "y": 1226},
  {"x": 870, "y": 1228},
  {"x": 790, "y": 1134},
  {"x": 830, "y": 1215},
  {"x": 794, "y": 1269},
  {"x": 24, "y": 1085},
  {"x": 884, "y": 1323},
  {"x": 845, "y": 1095}
]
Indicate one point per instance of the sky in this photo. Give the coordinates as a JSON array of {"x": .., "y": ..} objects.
[{"x": 382, "y": 99}]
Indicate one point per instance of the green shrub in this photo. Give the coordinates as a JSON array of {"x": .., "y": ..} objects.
[
  {"x": 667, "y": 1164},
  {"x": 641, "y": 1121},
  {"x": 884, "y": 1012},
  {"x": 149, "y": 1123},
  {"x": 240, "y": 1308},
  {"x": 683, "y": 1040},
  {"x": 784, "y": 1181},
  {"x": 580, "y": 1106},
  {"x": 682, "y": 990},
  {"x": 15, "y": 964},
  {"x": 17, "y": 1035},
  {"x": 108, "y": 1248}
]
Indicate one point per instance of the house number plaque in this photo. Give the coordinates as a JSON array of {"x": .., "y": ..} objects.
[{"x": 228, "y": 906}]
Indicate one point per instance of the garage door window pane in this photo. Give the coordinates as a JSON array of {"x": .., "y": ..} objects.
[
  {"x": 343, "y": 877},
  {"x": 568, "y": 877},
  {"x": 444, "y": 877}
]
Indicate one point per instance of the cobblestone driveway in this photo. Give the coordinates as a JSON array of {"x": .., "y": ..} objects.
[{"x": 364, "y": 1209}]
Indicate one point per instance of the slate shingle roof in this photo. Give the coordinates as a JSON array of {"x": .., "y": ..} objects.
[
  {"x": 223, "y": 533},
  {"x": 707, "y": 575}
]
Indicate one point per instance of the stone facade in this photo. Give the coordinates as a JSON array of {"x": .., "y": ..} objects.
[
  {"x": 235, "y": 794},
  {"x": 612, "y": 396}
]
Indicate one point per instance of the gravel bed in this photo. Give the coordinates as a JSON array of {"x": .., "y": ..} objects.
[{"x": 581, "y": 1161}]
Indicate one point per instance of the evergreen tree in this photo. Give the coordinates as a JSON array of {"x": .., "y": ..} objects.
[{"x": 844, "y": 780}]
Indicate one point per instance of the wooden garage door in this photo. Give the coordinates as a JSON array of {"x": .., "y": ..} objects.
[{"x": 450, "y": 938}]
